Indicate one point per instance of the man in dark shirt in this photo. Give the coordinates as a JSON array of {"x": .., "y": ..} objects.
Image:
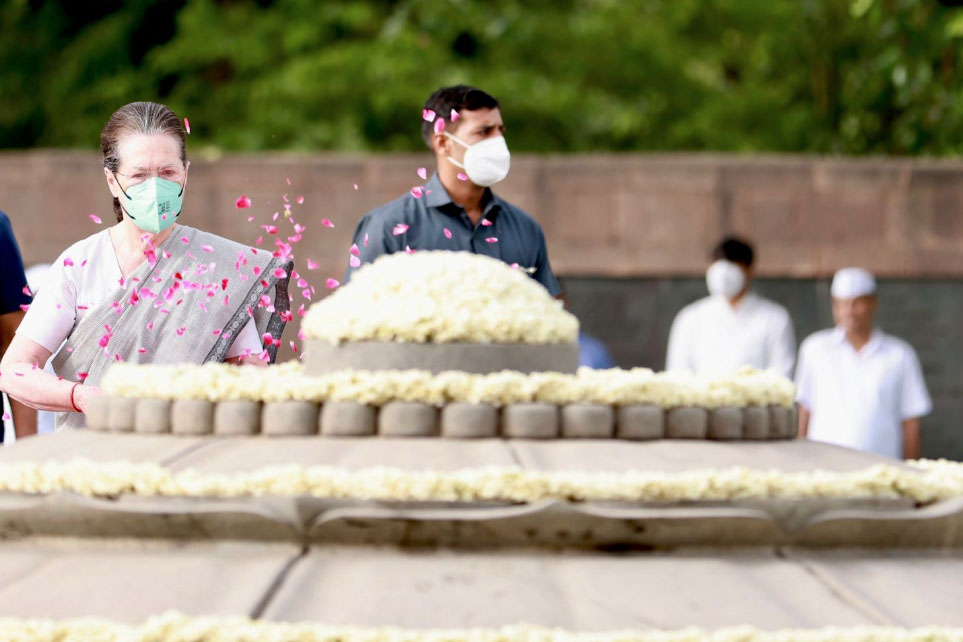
[
  {"x": 13, "y": 295},
  {"x": 456, "y": 209}
]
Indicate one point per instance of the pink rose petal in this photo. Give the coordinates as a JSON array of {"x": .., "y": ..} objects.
[
  {"x": 300, "y": 200},
  {"x": 356, "y": 187},
  {"x": 486, "y": 223},
  {"x": 408, "y": 250},
  {"x": 25, "y": 307},
  {"x": 354, "y": 261},
  {"x": 207, "y": 248},
  {"x": 5, "y": 416},
  {"x": 417, "y": 191},
  {"x": 428, "y": 115},
  {"x": 302, "y": 283},
  {"x": 312, "y": 265},
  {"x": 353, "y": 250},
  {"x": 68, "y": 262},
  {"x": 331, "y": 283},
  {"x": 422, "y": 173},
  {"x": 185, "y": 240},
  {"x": 187, "y": 125},
  {"x": 439, "y": 125},
  {"x": 142, "y": 350},
  {"x": 242, "y": 202},
  {"x": 454, "y": 115},
  {"x": 462, "y": 176},
  {"x": 26, "y": 290},
  {"x": 399, "y": 229},
  {"x": 491, "y": 239},
  {"x": 82, "y": 375},
  {"x": 95, "y": 218},
  {"x": 268, "y": 339},
  {"x": 365, "y": 239},
  {"x": 327, "y": 223},
  {"x": 181, "y": 330},
  {"x": 447, "y": 233},
  {"x": 279, "y": 273}
]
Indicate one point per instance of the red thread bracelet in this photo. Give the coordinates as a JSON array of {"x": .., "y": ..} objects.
[{"x": 72, "y": 402}]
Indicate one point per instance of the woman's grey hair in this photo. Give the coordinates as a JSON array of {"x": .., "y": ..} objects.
[{"x": 138, "y": 118}]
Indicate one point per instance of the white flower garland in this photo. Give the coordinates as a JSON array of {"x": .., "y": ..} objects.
[
  {"x": 224, "y": 382},
  {"x": 440, "y": 297},
  {"x": 174, "y": 627},
  {"x": 928, "y": 482}
]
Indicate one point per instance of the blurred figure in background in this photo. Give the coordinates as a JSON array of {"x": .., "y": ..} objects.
[
  {"x": 733, "y": 326},
  {"x": 13, "y": 295},
  {"x": 592, "y": 353},
  {"x": 857, "y": 386}
]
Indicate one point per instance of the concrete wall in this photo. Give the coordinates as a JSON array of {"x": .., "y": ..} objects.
[{"x": 629, "y": 232}]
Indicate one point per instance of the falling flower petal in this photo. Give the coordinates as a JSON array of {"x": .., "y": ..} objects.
[
  {"x": 417, "y": 191},
  {"x": 400, "y": 228},
  {"x": 428, "y": 115},
  {"x": 5, "y": 416},
  {"x": 207, "y": 248},
  {"x": 25, "y": 307},
  {"x": 279, "y": 273},
  {"x": 491, "y": 239},
  {"x": 353, "y": 250},
  {"x": 242, "y": 203},
  {"x": 302, "y": 283},
  {"x": 95, "y": 218},
  {"x": 366, "y": 239},
  {"x": 82, "y": 375},
  {"x": 454, "y": 115},
  {"x": 447, "y": 233},
  {"x": 187, "y": 125},
  {"x": 439, "y": 125},
  {"x": 68, "y": 262},
  {"x": 181, "y": 330},
  {"x": 462, "y": 176},
  {"x": 312, "y": 265},
  {"x": 331, "y": 283},
  {"x": 268, "y": 339},
  {"x": 486, "y": 223},
  {"x": 270, "y": 229},
  {"x": 356, "y": 187},
  {"x": 300, "y": 200},
  {"x": 408, "y": 250},
  {"x": 142, "y": 350},
  {"x": 26, "y": 290},
  {"x": 422, "y": 173},
  {"x": 185, "y": 240},
  {"x": 354, "y": 261},
  {"x": 327, "y": 223}
]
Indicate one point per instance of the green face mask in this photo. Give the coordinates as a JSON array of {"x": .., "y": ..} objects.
[{"x": 153, "y": 205}]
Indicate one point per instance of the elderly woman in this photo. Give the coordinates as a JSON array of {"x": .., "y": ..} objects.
[{"x": 148, "y": 289}]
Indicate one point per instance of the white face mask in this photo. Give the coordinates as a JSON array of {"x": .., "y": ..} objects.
[
  {"x": 725, "y": 278},
  {"x": 486, "y": 162}
]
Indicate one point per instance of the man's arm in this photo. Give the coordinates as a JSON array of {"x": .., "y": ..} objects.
[
  {"x": 782, "y": 347},
  {"x": 911, "y": 438},
  {"x": 24, "y": 417}
]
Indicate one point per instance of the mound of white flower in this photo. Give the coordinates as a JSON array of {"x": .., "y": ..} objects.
[{"x": 441, "y": 297}]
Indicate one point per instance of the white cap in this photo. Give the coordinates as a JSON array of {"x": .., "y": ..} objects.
[{"x": 850, "y": 283}]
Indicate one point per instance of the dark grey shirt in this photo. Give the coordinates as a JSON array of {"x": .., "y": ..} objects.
[{"x": 513, "y": 236}]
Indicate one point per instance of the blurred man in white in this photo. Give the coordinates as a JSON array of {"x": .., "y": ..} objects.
[
  {"x": 733, "y": 326},
  {"x": 857, "y": 386}
]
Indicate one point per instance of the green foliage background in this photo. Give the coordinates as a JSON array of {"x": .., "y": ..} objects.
[{"x": 826, "y": 76}]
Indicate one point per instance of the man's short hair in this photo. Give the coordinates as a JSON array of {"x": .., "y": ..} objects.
[
  {"x": 735, "y": 250},
  {"x": 458, "y": 98}
]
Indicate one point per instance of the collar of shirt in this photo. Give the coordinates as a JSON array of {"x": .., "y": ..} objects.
[
  {"x": 746, "y": 305},
  {"x": 872, "y": 346},
  {"x": 437, "y": 197}
]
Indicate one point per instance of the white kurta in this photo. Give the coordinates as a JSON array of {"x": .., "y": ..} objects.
[
  {"x": 860, "y": 399},
  {"x": 710, "y": 336}
]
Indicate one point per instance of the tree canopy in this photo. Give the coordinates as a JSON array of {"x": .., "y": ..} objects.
[{"x": 822, "y": 76}]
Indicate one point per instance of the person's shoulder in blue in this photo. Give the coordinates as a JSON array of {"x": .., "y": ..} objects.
[
  {"x": 456, "y": 209},
  {"x": 12, "y": 279},
  {"x": 592, "y": 353}
]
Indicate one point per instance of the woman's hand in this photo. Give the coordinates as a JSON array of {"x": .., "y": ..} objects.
[{"x": 83, "y": 395}]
